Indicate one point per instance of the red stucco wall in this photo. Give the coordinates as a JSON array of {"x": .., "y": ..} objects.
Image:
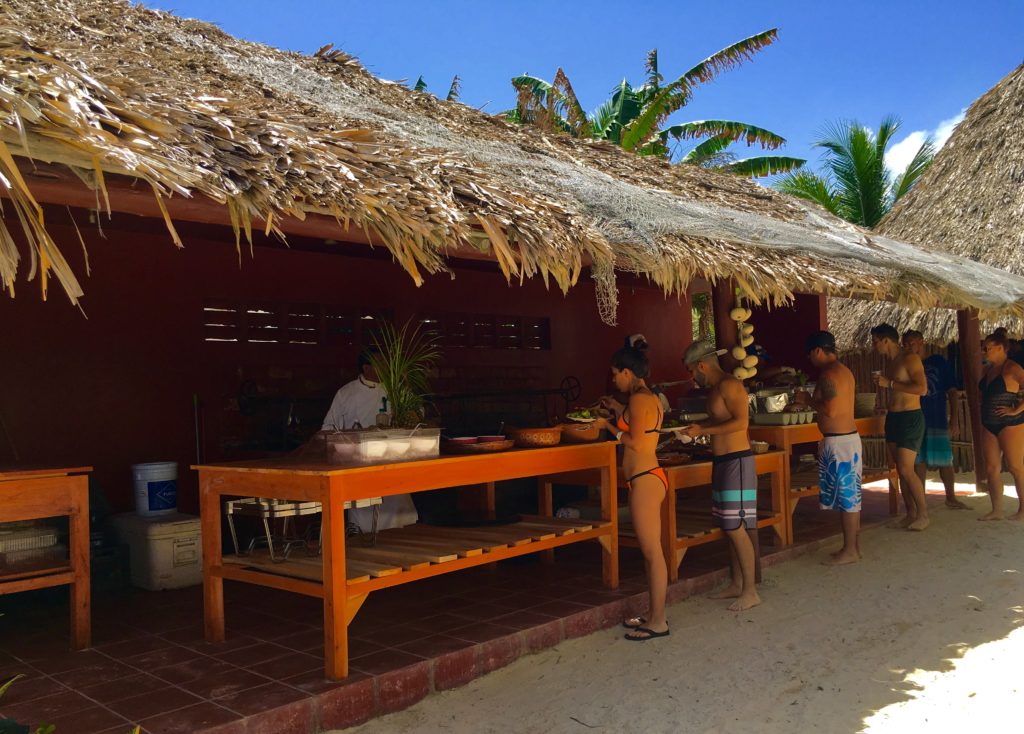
[{"x": 115, "y": 386}]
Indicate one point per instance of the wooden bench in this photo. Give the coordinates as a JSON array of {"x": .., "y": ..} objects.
[{"x": 33, "y": 494}]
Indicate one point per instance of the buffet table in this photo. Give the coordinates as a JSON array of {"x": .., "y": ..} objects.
[
  {"x": 683, "y": 528},
  {"x": 347, "y": 574},
  {"x": 806, "y": 484},
  {"x": 38, "y": 493}
]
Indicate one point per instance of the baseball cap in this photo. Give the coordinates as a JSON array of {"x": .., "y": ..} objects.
[
  {"x": 822, "y": 339},
  {"x": 699, "y": 351}
]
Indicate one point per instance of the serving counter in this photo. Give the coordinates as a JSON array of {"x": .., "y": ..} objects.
[{"x": 347, "y": 573}]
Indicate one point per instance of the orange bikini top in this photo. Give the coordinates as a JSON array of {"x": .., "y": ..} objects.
[{"x": 623, "y": 425}]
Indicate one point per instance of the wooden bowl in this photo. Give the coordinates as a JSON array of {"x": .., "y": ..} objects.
[
  {"x": 580, "y": 432},
  {"x": 527, "y": 438}
]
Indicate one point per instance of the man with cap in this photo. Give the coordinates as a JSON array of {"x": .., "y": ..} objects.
[
  {"x": 840, "y": 452},
  {"x": 357, "y": 405},
  {"x": 733, "y": 476}
]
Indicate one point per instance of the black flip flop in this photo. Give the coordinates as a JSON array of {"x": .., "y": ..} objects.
[
  {"x": 651, "y": 634},
  {"x": 641, "y": 621}
]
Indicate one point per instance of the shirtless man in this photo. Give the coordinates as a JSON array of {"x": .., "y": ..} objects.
[
  {"x": 733, "y": 477},
  {"x": 840, "y": 453},
  {"x": 904, "y": 421}
]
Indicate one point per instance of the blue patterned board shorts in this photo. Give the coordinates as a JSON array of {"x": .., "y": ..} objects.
[{"x": 840, "y": 470}]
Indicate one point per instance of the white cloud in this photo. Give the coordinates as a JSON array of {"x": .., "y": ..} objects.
[{"x": 899, "y": 155}]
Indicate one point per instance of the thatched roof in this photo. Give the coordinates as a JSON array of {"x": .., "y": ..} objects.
[
  {"x": 117, "y": 90},
  {"x": 970, "y": 202}
]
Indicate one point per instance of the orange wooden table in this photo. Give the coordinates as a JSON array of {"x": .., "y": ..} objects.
[
  {"x": 786, "y": 437},
  {"x": 37, "y": 493},
  {"x": 682, "y": 530},
  {"x": 346, "y": 575}
]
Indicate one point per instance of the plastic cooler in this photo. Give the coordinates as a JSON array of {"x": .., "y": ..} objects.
[{"x": 166, "y": 551}]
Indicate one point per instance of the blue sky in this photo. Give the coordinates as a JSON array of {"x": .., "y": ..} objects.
[{"x": 924, "y": 61}]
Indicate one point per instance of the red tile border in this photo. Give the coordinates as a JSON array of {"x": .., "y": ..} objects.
[
  {"x": 499, "y": 652},
  {"x": 347, "y": 705},
  {"x": 402, "y": 688},
  {"x": 543, "y": 636},
  {"x": 453, "y": 669}
]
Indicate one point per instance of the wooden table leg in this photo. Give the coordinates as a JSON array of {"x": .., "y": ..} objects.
[
  {"x": 610, "y": 513},
  {"x": 79, "y": 551},
  {"x": 336, "y": 602},
  {"x": 669, "y": 534},
  {"x": 788, "y": 501},
  {"x": 779, "y": 505},
  {"x": 213, "y": 583},
  {"x": 546, "y": 508}
]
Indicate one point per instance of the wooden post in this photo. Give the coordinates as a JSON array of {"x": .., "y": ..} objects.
[
  {"x": 970, "y": 365},
  {"x": 213, "y": 582},
  {"x": 78, "y": 548},
  {"x": 336, "y": 617},
  {"x": 723, "y": 299}
]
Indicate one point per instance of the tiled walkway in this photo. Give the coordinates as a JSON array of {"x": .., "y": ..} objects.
[{"x": 151, "y": 666}]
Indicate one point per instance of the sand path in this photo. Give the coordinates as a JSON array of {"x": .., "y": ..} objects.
[{"x": 927, "y": 631}]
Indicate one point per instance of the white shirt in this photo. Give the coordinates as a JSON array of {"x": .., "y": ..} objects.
[{"x": 358, "y": 401}]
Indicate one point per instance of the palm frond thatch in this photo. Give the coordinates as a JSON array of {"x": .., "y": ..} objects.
[
  {"x": 969, "y": 202},
  {"x": 113, "y": 90}
]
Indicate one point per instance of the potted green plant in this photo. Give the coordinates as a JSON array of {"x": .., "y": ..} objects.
[{"x": 404, "y": 358}]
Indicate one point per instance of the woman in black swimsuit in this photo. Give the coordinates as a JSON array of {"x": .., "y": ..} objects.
[
  {"x": 1002, "y": 416},
  {"x": 636, "y": 427}
]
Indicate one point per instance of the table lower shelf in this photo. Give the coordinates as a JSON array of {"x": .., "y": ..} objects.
[
  {"x": 417, "y": 551},
  {"x": 693, "y": 527},
  {"x": 805, "y": 483}
]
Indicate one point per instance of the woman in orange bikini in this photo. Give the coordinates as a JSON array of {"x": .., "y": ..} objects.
[{"x": 636, "y": 427}]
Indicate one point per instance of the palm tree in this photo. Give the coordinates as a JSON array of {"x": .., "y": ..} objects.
[
  {"x": 633, "y": 117},
  {"x": 856, "y": 184}
]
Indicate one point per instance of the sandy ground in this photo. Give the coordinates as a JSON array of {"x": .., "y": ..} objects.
[{"x": 927, "y": 631}]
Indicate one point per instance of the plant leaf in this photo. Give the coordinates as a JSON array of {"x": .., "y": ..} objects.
[
  {"x": 455, "y": 89},
  {"x": 574, "y": 113},
  {"x": 421, "y": 85},
  {"x": 729, "y": 129},
  {"x": 654, "y": 79},
  {"x": 807, "y": 185},
  {"x": 905, "y": 181},
  {"x": 767, "y": 165}
]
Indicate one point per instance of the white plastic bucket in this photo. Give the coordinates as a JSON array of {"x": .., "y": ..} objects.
[{"x": 156, "y": 488}]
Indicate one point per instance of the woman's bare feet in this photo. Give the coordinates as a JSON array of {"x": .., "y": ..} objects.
[
  {"x": 745, "y": 601},
  {"x": 731, "y": 591},
  {"x": 955, "y": 504},
  {"x": 919, "y": 524},
  {"x": 902, "y": 523},
  {"x": 842, "y": 558},
  {"x": 994, "y": 515}
]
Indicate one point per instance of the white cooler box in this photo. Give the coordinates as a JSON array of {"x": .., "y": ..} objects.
[{"x": 166, "y": 550}]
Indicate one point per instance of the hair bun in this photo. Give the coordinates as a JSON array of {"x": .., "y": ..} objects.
[{"x": 637, "y": 342}]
